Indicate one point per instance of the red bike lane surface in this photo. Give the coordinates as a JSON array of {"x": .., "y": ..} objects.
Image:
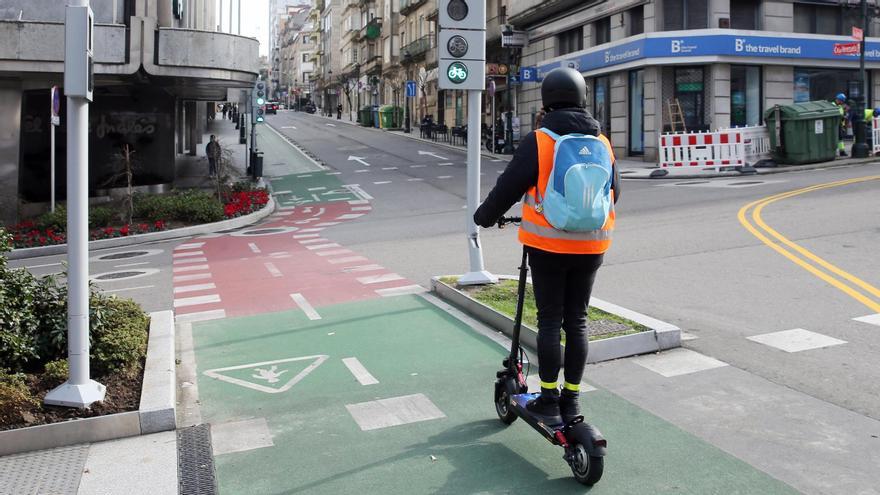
[{"x": 280, "y": 265}]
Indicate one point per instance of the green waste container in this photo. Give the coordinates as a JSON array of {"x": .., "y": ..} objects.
[
  {"x": 390, "y": 116},
  {"x": 807, "y": 132},
  {"x": 366, "y": 119}
]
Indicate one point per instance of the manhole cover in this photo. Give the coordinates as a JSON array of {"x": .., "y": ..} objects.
[
  {"x": 126, "y": 255},
  {"x": 118, "y": 275},
  {"x": 266, "y": 231},
  {"x": 749, "y": 183}
]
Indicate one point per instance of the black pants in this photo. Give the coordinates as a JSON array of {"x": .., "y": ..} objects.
[{"x": 562, "y": 284}]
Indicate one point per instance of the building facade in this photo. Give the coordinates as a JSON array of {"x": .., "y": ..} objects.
[
  {"x": 721, "y": 62},
  {"x": 159, "y": 66}
]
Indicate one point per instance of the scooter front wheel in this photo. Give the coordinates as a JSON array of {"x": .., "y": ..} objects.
[
  {"x": 586, "y": 468},
  {"x": 502, "y": 403}
]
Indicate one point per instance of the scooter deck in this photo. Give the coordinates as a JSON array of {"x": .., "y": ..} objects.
[{"x": 549, "y": 425}]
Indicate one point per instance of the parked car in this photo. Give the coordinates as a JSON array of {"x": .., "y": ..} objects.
[{"x": 272, "y": 107}]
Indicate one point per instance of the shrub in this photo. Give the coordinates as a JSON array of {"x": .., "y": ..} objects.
[
  {"x": 53, "y": 220},
  {"x": 100, "y": 216},
  {"x": 119, "y": 330},
  {"x": 56, "y": 372},
  {"x": 184, "y": 206},
  {"x": 15, "y": 397}
]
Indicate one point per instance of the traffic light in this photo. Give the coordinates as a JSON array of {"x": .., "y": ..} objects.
[
  {"x": 258, "y": 103},
  {"x": 260, "y": 113},
  {"x": 462, "y": 44},
  {"x": 259, "y": 93}
]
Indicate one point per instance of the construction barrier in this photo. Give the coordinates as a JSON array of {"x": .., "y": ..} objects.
[
  {"x": 875, "y": 135},
  {"x": 701, "y": 151},
  {"x": 756, "y": 141}
]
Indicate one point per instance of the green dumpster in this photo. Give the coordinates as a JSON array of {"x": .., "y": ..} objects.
[
  {"x": 807, "y": 132},
  {"x": 366, "y": 116},
  {"x": 386, "y": 117}
]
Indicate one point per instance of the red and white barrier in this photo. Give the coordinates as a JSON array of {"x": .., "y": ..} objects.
[
  {"x": 702, "y": 150},
  {"x": 875, "y": 135}
]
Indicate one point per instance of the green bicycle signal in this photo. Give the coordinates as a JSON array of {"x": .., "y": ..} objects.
[{"x": 457, "y": 72}]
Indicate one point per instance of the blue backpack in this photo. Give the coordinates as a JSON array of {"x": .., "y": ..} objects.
[{"x": 578, "y": 194}]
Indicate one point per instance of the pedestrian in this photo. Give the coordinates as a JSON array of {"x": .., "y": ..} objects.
[
  {"x": 339, "y": 111},
  {"x": 225, "y": 111},
  {"x": 212, "y": 151},
  {"x": 563, "y": 263},
  {"x": 840, "y": 101}
]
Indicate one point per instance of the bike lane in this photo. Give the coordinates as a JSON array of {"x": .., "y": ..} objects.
[{"x": 315, "y": 383}]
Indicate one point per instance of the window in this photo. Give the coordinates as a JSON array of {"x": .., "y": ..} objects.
[
  {"x": 307, "y": 40},
  {"x": 637, "y": 20},
  {"x": 689, "y": 91},
  {"x": 570, "y": 41},
  {"x": 744, "y": 14},
  {"x": 745, "y": 95},
  {"x": 603, "y": 31},
  {"x": 602, "y": 103},
  {"x": 685, "y": 14},
  {"x": 306, "y": 57},
  {"x": 824, "y": 84},
  {"x": 817, "y": 19},
  {"x": 637, "y": 112}
]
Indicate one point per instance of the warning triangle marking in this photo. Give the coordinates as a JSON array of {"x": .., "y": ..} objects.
[{"x": 270, "y": 376}]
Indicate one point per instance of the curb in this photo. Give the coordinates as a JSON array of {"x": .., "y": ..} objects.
[
  {"x": 759, "y": 171},
  {"x": 661, "y": 335},
  {"x": 157, "y": 393},
  {"x": 207, "y": 228}
]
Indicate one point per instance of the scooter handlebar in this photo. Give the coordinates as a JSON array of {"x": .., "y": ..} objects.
[{"x": 506, "y": 220}]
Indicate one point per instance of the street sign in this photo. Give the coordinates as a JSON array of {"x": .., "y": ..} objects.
[
  {"x": 528, "y": 74},
  {"x": 411, "y": 89},
  {"x": 514, "y": 80},
  {"x": 858, "y": 34},
  {"x": 516, "y": 39},
  {"x": 847, "y": 48},
  {"x": 55, "y": 102},
  {"x": 490, "y": 87}
]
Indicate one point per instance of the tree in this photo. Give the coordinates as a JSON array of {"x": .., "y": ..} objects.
[
  {"x": 347, "y": 84},
  {"x": 125, "y": 165}
]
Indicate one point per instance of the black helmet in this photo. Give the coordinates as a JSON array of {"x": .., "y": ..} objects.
[{"x": 563, "y": 87}]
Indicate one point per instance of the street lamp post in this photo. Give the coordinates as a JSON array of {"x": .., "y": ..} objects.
[{"x": 860, "y": 147}]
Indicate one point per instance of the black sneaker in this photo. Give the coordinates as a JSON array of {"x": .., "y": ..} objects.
[
  {"x": 569, "y": 405},
  {"x": 546, "y": 405}
]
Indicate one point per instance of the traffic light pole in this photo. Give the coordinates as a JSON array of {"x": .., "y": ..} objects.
[{"x": 860, "y": 147}]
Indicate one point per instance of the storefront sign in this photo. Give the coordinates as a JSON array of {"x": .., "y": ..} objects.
[
  {"x": 847, "y": 48},
  {"x": 529, "y": 74},
  {"x": 723, "y": 45}
]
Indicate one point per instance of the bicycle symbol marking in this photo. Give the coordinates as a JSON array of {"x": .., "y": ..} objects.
[{"x": 457, "y": 72}]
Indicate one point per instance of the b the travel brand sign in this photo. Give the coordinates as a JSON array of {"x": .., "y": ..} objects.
[{"x": 718, "y": 44}]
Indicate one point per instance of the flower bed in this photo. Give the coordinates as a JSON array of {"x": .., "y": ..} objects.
[
  {"x": 27, "y": 234},
  {"x": 238, "y": 203}
]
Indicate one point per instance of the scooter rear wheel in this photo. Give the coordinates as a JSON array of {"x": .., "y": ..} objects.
[
  {"x": 502, "y": 404},
  {"x": 586, "y": 468}
]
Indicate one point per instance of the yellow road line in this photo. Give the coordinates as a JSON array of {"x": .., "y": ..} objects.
[{"x": 758, "y": 206}]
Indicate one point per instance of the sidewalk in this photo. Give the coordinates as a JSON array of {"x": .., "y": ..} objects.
[{"x": 192, "y": 171}]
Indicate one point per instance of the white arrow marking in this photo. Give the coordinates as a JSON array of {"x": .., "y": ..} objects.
[
  {"x": 358, "y": 159},
  {"x": 331, "y": 125},
  {"x": 435, "y": 155}
]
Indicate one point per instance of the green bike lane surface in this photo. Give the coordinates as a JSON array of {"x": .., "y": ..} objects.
[
  {"x": 412, "y": 347},
  {"x": 310, "y": 188}
]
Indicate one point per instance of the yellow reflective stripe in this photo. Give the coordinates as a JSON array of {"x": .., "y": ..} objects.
[
  {"x": 574, "y": 387},
  {"x": 530, "y": 200},
  {"x": 551, "y": 233},
  {"x": 549, "y": 384}
]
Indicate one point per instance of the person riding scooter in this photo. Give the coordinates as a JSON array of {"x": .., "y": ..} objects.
[{"x": 563, "y": 263}]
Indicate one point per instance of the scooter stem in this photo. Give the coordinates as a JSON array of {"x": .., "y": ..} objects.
[{"x": 517, "y": 322}]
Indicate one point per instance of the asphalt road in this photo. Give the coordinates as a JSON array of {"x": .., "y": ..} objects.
[{"x": 680, "y": 254}]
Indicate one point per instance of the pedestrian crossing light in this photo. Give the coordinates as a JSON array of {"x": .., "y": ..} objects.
[{"x": 462, "y": 44}]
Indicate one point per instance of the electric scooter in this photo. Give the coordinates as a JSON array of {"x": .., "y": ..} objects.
[{"x": 584, "y": 445}]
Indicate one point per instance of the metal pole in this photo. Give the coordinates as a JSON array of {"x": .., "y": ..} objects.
[
  {"x": 492, "y": 137},
  {"x": 220, "y": 11},
  {"x": 478, "y": 274},
  {"x": 239, "y": 16},
  {"x": 52, "y": 166},
  {"x": 78, "y": 390},
  {"x": 860, "y": 147}
]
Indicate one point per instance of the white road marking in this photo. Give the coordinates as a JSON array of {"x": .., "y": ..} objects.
[
  {"x": 796, "y": 340},
  {"x": 217, "y": 373},
  {"x": 688, "y": 336},
  {"x": 677, "y": 362},
  {"x": 379, "y": 183},
  {"x": 334, "y": 173},
  {"x": 190, "y": 278},
  {"x": 191, "y": 245},
  {"x": 197, "y": 300},
  {"x": 870, "y": 319},
  {"x": 240, "y": 436},
  {"x": 305, "y": 236},
  {"x": 334, "y": 252},
  {"x": 395, "y": 411},
  {"x": 312, "y": 241},
  {"x": 193, "y": 288},
  {"x": 307, "y": 209},
  {"x": 357, "y": 191},
  {"x": 130, "y": 288},
  {"x": 362, "y": 171},
  {"x": 414, "y": 179},
  {"x": 320, "y": 212},
  {"x": 359, "y": 371},
  {"x": 286, "y": 208},
  {"x": 132, "y": 264},
  {"x": 445, "y": 177},
  {"x": 254, "y": 248},
  {"x": 378, "y": 279},
  {"x": 305, "y": 306},
  {"x": 361, "y": 208},
  {"x": 323, "y": 246},
  {"x": 350, "y": 216},
  {"x": 187, "y": 254},
  {"x": 288, "y": 127},
  {"x": 444, "y": 164},
  {"x": 43, "y": 266},
  {"x": 435, "y": 155},
  {"x": 322, "y": 188},
  {"x": 358, "y": 202},
  {"x": 193, "y": 268},
  {"x": 331, "y": 125},
  {"x": 313, "y": 229},
  {"x": 417, "y": 166},
  {"x": 214, "y": 314},
  {"x": 280, "y": 255},
  {"x": 278, "y": 193},
  {"x": 272, "y": 269},
  {"x": 189, "y": 261},
  {"x": 363, "y": 268},
  {"x": 327, "y": 224},
  {"x": 283, "y": 214},
  {"x": 347, "y": 259},
  {"x": 389, "y": 168},
  {"x": 401, "y": 291},
  {"x": 307, "y": 221}
]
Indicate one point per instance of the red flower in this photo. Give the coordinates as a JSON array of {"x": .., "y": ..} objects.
[
  {"x": 160, "y": 225},
  {"x": 123, "y": 230}
]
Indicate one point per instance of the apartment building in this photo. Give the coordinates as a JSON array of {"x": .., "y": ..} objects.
[
  {"x": 417, "y": 28},
  {"x": 327, "y": 91},
  {"x": 297, "y": 65},
  {"x": 284, "y": 24},
  {"x": 159, "y": 66},
  {"x": 724, "y": 62}
]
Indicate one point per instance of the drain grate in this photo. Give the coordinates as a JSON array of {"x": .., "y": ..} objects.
[
  {"x": 692, "y": 183},
  {"x": 195, "y": 461},
  {"x": 750, "y": 183}
]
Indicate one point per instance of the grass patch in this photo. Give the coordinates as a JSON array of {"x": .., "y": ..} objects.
[{"x": 502, "y": 298}]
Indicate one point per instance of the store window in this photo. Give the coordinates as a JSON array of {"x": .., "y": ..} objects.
[
  {"x": 744, "y": 14},
  {"x": 690, "y": 92},
  {"x": 685, "y": 14},
  {"x": 745, "y": 95},
  {"x": 603, "y": 31},
  {"x": 602, "y": 103},
  {"x": 570, "y": 41},
  {"x": 823, "y": 84},
  {"x": 636, "y": 20},
  {"x": 637, "y": 112}
]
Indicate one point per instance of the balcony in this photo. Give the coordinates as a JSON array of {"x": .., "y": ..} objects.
[
  {"x": 372, "y": 64},
  {"x": 206, "y": 50},
  {"x": 407, "y": 6},
  {"x": 372, "y": 30},
  {"x": 415, "y": 51}
]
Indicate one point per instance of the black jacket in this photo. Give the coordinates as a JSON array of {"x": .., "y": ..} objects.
[{"x": 522, "y": 171}]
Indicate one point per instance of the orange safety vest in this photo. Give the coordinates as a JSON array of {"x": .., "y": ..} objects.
[{"x": 536, "y": 231}]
